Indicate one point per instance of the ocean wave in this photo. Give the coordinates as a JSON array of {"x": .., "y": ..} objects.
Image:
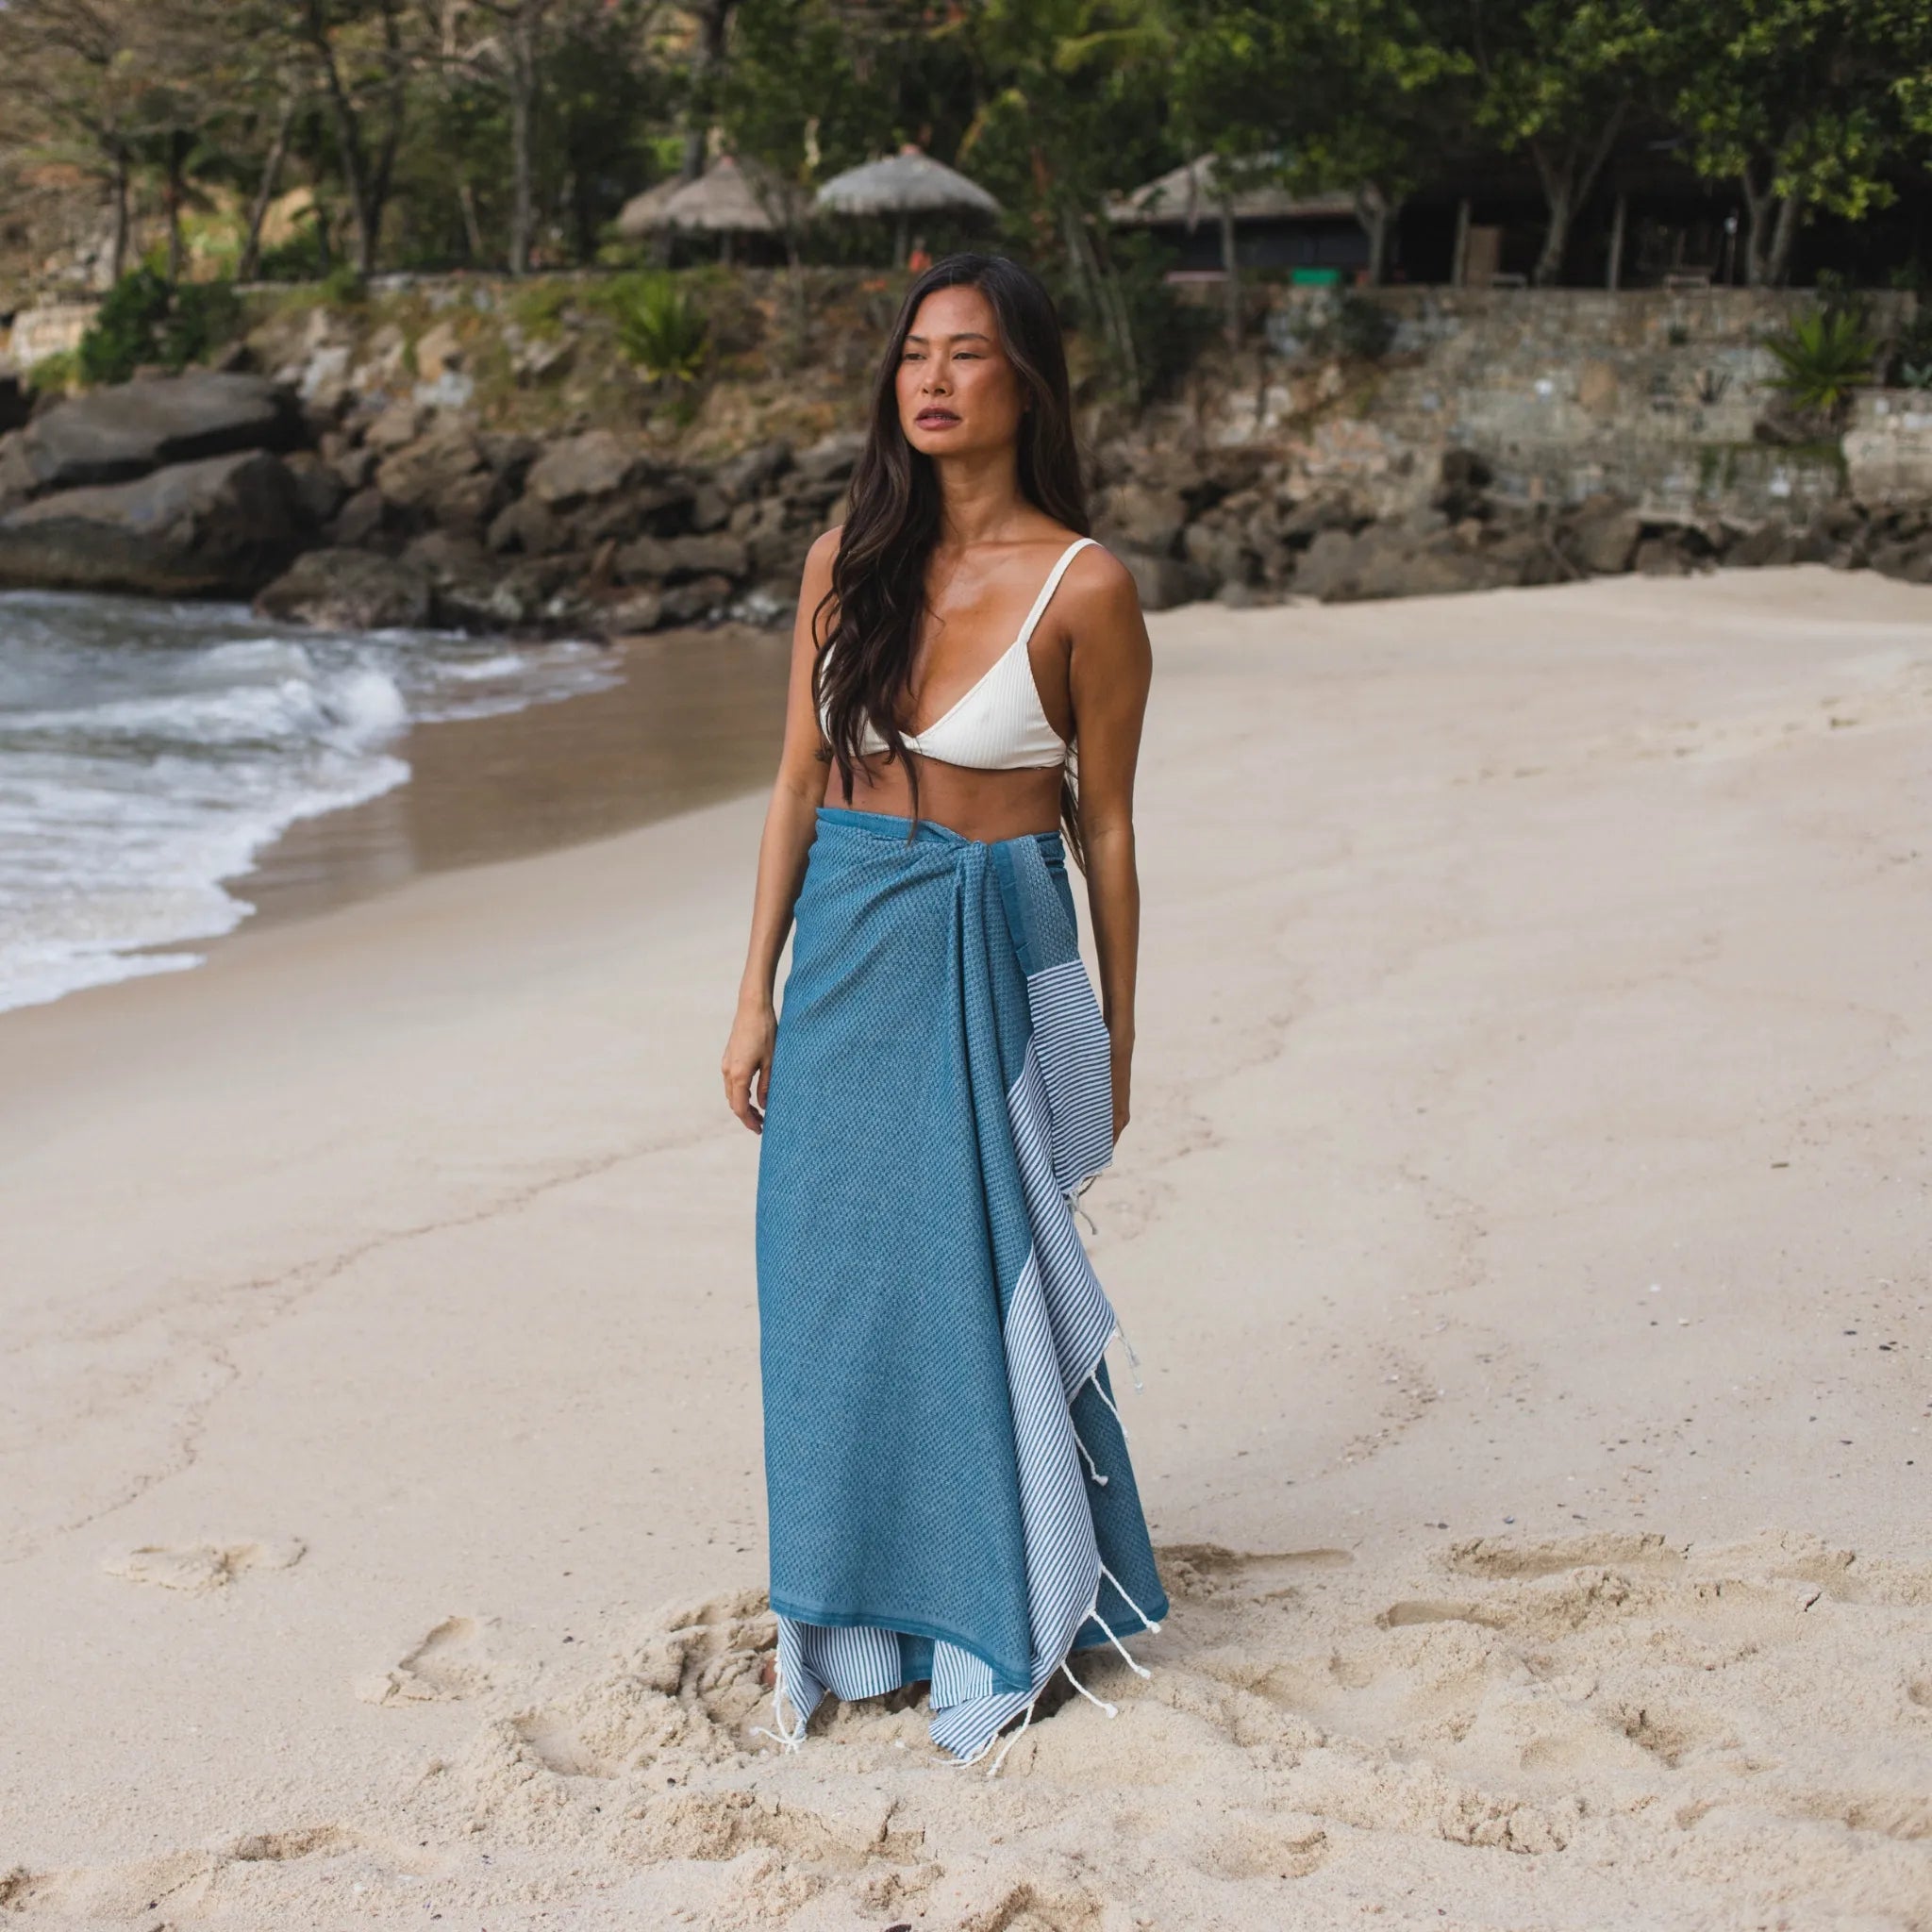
[{"x": 149, "y": 752}]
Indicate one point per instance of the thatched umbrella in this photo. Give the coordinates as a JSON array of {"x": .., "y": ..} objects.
[
  {"x": 643, "y": 215},
  {"x": 729, "y": 198},
  {"x": 1195, "y": 188},
  {"x": 905, "y": 184}
]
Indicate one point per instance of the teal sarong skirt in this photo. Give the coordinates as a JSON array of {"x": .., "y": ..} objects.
[{"x": 950, "y": 1493}]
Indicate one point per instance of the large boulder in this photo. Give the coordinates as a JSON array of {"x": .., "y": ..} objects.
[
  {"x": 754, "y": 471},
  {"x": 1412, "y": 557},
  {"x": 1603, "y": 533},
  {"x": 418, "y": 475},
  {"x": 351, "y": 589},
  {"x": 116, "y": 434},
  {"x": 1135, "y": 517},
  {"x": 650, "y": 557},
  {"x": 220, "y": 526},
  {"x": 470, "y": 590},
  {"x": 581, "y": 468}
]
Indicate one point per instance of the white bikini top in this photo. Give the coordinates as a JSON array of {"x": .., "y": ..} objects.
[{"x": 998, "y": 723}]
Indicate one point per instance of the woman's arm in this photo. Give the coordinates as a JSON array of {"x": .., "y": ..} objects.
[
  {"x": 790, "y": 823},
  {"x": 1109, "y": 670}
]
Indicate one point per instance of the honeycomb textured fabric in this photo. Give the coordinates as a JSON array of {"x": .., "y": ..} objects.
[
  {"x": 997, "y": 724},
  {"x": 951, "y": 1497}
]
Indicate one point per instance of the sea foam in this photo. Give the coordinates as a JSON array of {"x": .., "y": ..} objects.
[{"x": 149, "y": 752}]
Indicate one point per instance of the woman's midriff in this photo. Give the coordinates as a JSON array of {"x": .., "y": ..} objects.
[{"x": 977, "y": 805}]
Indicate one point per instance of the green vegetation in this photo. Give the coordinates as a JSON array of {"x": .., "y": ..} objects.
[
  {"x": 144, "y": 321},
  {"x": 332, "y": 140},
  {"x": 55, "y": 373},
  {"x": 659, "y": 327},
  {"x": 1822, "y": 356}
]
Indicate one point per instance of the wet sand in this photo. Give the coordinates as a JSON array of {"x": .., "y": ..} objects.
[
  {"x": 1523, "y": 1226},
  {"x": 697, "y": 718}
]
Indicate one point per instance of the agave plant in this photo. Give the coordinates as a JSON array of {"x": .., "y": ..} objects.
[
  {"x": 1822, "y": 356},
  {"x": 660, "y": 327}
]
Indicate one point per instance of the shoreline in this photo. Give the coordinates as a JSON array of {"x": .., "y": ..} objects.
[
  {"x": 684, "y": 727},
  {"x": 1519, "y": 1228},
  {"x": 694, "y": 716}
]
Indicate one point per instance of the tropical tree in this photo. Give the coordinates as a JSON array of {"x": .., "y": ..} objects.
[
  {"x": 1804, "y": 103},
  {"x": 365, "y": 63},
  {"x": 70, "y": 71},
  {"x": 1559, "y": 82},
  {"x": 1355, "y": 95}
]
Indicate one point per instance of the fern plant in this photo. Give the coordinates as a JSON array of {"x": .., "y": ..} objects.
[
  {"x": 660, "y": 327},
  {"x": 1822, "y": 356}
]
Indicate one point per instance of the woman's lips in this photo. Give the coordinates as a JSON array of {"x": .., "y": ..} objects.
[{"x": 936, "y": 419}]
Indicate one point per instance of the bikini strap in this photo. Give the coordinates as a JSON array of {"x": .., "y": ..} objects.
[{"x": 1051, "y": 585}]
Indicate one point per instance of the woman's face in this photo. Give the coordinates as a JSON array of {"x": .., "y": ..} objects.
[{"x": 957, "y": 392}]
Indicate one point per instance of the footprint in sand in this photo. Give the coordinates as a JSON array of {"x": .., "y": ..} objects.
[
  {"x": 449, "y": 1664},
  {"x": 200, "y": 1567}
]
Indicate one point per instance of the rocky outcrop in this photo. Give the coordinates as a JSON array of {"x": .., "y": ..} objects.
[
  {"x": 222, "y": 527},
  {"x": 1226, "y": 526},
  {"x": 411, "y": 512},
  {"x": 117, "y": 434},
  {"x": 351, "y": 589},
  {"x": 595, "y": 531}
]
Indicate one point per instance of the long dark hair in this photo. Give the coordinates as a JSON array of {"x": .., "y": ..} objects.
[{"x": 878, "y": 577}]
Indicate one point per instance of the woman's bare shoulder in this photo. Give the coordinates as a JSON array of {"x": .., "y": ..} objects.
[{"x": 1099, "y": 585}]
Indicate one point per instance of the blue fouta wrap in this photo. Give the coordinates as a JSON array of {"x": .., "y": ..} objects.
[{"x": 950, "y": 1492}]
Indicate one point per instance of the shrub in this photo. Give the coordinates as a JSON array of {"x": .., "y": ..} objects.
[
  {"x": 1822, "y": 356},
  {"x": 60, "y": 371},
  {"x": 142, "y": 320},
  {"x": 344, "y": 287},
  {"x": 126, "y": 331},
  {"x": 660, "y": 327}
]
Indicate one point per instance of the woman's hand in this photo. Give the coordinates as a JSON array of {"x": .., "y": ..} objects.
[
  {"x": 1123, "y": 1062},
  {"x": 749, "y": 1062}
]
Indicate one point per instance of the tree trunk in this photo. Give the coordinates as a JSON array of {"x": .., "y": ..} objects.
[
  {"x": 1549, "y": 264},
  {"x": 397, "y": 102},
  {"x": 1232, "y": 272},
  {"x": 1758, "y": 220},
  {"x": 348, "y": 134},
  {"x": 170, "y": 199},
  {"x": 707, "y": 57},
  {"x": 1109, "y": 310},
  {"x": 250, "y": 263},
  {"x": 1374, "y": 214},
  {"x": 1567, "y": 182},
  {"x": 118, "y": 262},
  {"x": 1458, "y": 260},
  {"x": 1784, "y": 234},
  {"x": 522, "y": 91},
  {"x": 1614, "y": 275},
  {"x": 472, "y": 229}
]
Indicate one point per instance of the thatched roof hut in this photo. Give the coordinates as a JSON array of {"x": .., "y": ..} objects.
[
  {"x": 643, "y": 215},
  {"x": 730, "y": 197},
  {"x": 903, "y": 185},
  {"x": 1192, "y": 193}
]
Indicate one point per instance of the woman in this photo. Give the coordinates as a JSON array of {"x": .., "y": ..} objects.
[{"x": 950, "y": 1494}]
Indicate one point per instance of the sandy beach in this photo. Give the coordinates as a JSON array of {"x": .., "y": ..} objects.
[{"x": 1523, "y": 1228}]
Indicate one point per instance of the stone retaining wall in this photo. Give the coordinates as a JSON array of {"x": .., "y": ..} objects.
[{"x": 1655, "y": 395}]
